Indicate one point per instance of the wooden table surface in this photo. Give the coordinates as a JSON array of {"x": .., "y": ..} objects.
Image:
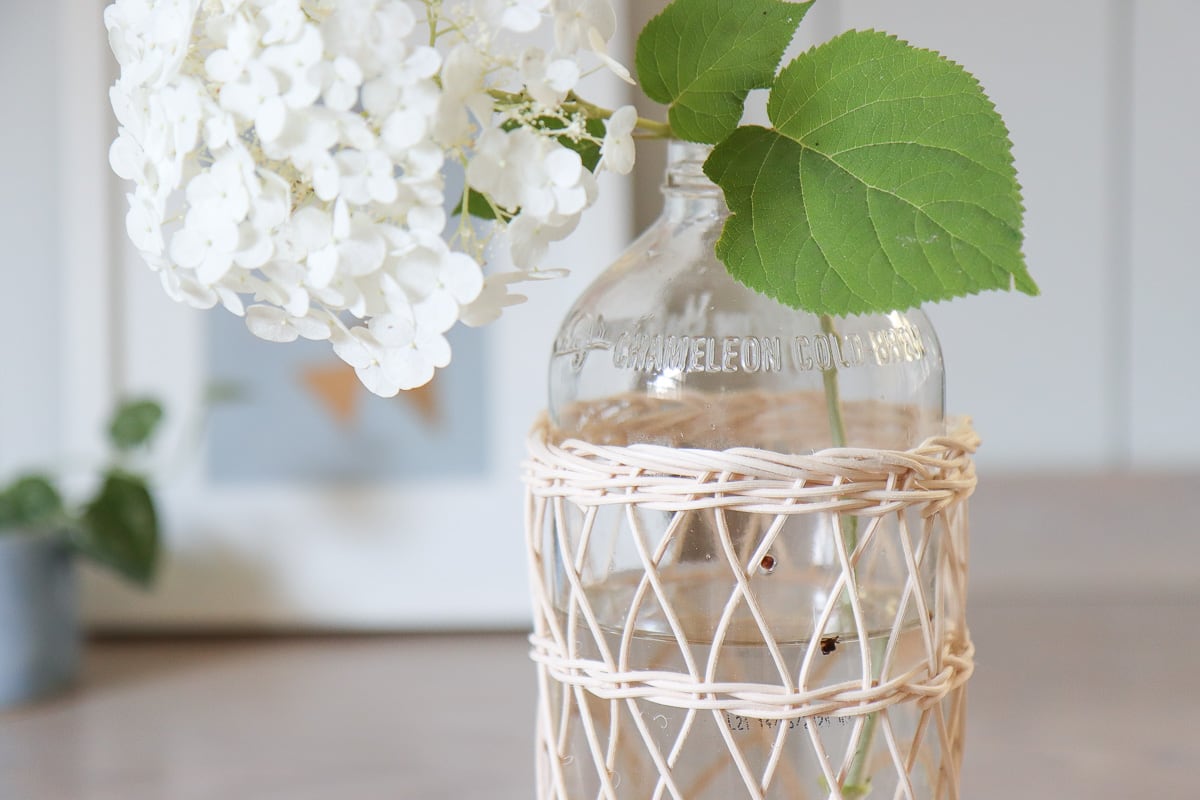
[{"x": 1071, "y": 699}]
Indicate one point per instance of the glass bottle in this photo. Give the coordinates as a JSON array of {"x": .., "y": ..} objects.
[{"x": 666, "y": 348}]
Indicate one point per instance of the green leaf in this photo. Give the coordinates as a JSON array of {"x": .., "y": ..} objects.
[
  {"x": 702, "y": 58},
  {"x": 119, "y": 528},
  {"x": 30, "y": 502},
  {"x": 134, "y": 423},
  {"x": 479, "y": 207},
  {"x": 886, "y": 182}
]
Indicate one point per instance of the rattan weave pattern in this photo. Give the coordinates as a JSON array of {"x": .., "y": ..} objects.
[{"x": 934, "y": 479}]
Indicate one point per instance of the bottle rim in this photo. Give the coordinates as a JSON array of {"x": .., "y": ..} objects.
[{"x": 685, "y": 169}]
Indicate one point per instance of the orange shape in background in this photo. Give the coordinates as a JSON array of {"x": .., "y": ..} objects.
[{"x": 338, "y": 390}]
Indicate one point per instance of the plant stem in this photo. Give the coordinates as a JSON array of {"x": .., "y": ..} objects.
[
  {"x": 857, "y": 784},
  {"x": 654, "y": 130},
  {"x": 651, "y": 129},
  {"x": 837, "y": 427},
  {"x": 833, "y": 396}
]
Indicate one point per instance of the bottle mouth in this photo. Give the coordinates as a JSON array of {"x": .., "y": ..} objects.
[{"x": 685, "y": 168}]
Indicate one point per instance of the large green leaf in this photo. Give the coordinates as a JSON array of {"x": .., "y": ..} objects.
[
  {"x": 702, "y": 58},
  {"x": 119, "y": 528},
  {"x": 886, "y": 182}
]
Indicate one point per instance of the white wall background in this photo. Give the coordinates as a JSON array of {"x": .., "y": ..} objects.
[
  {"x": 1095, "y": 376},
  {"x": 30, "y": 339}
]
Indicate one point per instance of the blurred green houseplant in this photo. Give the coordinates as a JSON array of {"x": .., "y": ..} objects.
[{"x": 118, "y": 527}]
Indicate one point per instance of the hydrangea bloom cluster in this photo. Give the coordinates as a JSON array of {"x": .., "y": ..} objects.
[{"x": 290, "y": 157}]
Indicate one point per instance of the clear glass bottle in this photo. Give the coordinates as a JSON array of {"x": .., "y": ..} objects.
[{"x": 666, "y": 348}]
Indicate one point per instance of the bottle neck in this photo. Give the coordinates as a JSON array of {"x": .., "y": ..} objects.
[{"x": 688, "y": 192}]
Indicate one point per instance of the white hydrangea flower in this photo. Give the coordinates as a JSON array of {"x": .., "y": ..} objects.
[{"x": 289, "y": 159}]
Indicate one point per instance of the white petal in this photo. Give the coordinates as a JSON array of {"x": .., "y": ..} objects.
[
  {"x": 126, "y": 157},
  {"x": 622, "y": 122},
  {"x": 571, "y": 201},
  {"x": 325, "y": 179},
  {"x": 312, "y": 328},
  {"x": 354, "y": 347},
  {"x": 394, "y": 330},
  {"x": 182, "y": 288},
  {"x": 493, "y": 299},
  {"x": 322, "y": 265},
  {"x": 562, "y": 74},
  {"x": 257, "y": 248},
  {"x": 222, "y": 66},
  {"x": 437, "y": 312},
  {"x": 379, "y": 97},
  {"x": 348, "y": 70},
  {"x": 271, "y": 207},
  {"x": 564, "y": 167},
  {"x": 427, "y": 218},
  {"x": 383, "y": 188},
  {"x": 619, "y": 157},
  {"x": 270, "y": 323},
  {"x": 188, "y": 247},
  {"x": 311, "y": 227},
  {"x": 341, "y": 220},
  {"x": 435, "y": 348},
  {"x": 462, "y": 73},
  {"x": 462, "y": 277},
  {"x": 224, "y": 236},
  {"x": 232, "y": 301},
  {"x": 425, "y": 62},
  {"x": 298, "y": 302},
  {"x": 407, "y": 368},
  {"x": 520, "y": 19},
  {"x": 269, "y": 119},
  {"x": 403, "y": 129},
  {"x": 144, "y": 228},
  {"x": 215, "y": 265},
  {"x": 341, "y": 96},
  {"x": 536, "y": 203},
  {"x": 600, "y": 47},
  {"x": 424, "y": 160},
  {"x": 377, "y": 380},
  {"x": 361, "y": 254}
]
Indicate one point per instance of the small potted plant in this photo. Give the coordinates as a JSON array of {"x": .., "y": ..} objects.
[{"x": 41, "y": 534}]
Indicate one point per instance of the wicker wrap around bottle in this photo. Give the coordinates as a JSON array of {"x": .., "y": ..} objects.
[{"x": 614, "y": 713}]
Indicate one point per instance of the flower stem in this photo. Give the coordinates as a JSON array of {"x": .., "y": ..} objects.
[
  {"x": 833, "y": 397},
  {"x": 837, "y": 427},
  {"x": 651, "y": 129},
  {"x": 857, "y": 784}
]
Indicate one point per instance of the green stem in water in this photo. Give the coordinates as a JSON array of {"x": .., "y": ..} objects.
[
  {"x": 837, "y": 427},
  {"x": 857, "y": 784},
  {"x": 833, "y": 396}
]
